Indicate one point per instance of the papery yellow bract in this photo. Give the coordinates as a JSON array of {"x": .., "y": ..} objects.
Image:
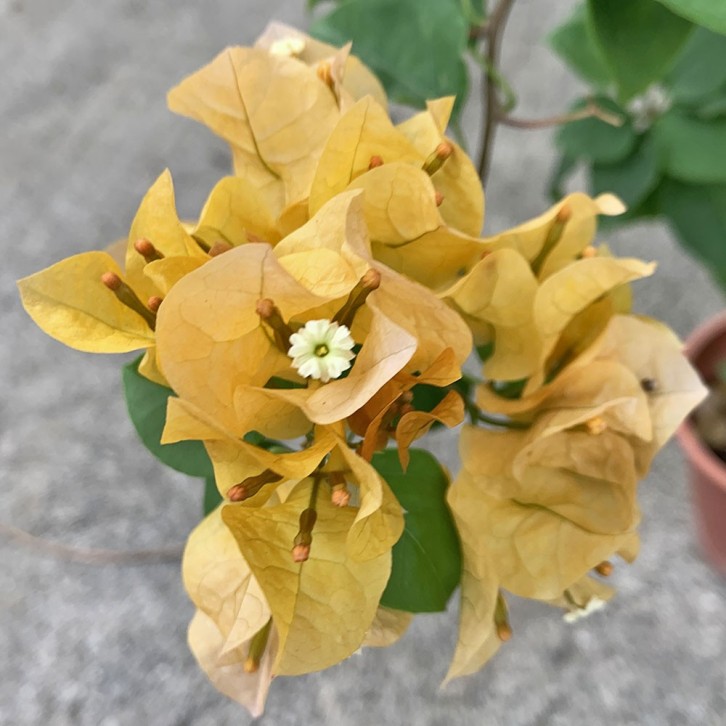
[
  {"x": 408, "y": 232},
  {"x": 274, "y": 111},
  {"x": 536, "y": 550},
  {"x": 70, "y": 303},
  {"x": 477, "y": 638},
  {"x": 232, "y": 609},
  {"x": 387, "y": 628},
  {"x": 580, "y": 213},
  {"x": 351, "y": 78},
  {"x": 462, "y": 206},
  {"x": 321, "y": 608},
  {"x": 83, "y": 314}
]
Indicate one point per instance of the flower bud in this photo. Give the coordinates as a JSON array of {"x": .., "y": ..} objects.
[
  {"x": 147, "y": 250},
  {"x": 270, "y": 314},
  {"x": 125, "y": 295},
  {"x": 251, "y": 485},
  {"x": 370, "y": 281},
  {"x": 596, "y": 425},
  {"x": 605, "y": 569},
  {"x": 219, "y": 247},
  {"x": 436, "y": 160}
]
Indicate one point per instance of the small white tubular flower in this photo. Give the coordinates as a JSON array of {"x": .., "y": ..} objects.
[
  {"x": 593, "y": 605},
  {"x": 289, "y": 46},
  {"x": 321, "y": 349}
]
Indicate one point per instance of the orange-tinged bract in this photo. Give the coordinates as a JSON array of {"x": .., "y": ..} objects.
[{"x": 322, "y": 308}]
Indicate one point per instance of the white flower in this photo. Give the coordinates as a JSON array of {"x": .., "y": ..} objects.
[
  {"x": 593, "y": 605},
  {"x": 288, "y": 46},
  {"x": 321, "y": 350}
]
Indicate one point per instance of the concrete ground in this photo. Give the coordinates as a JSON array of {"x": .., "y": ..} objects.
[{"x": 83, "y": 132}]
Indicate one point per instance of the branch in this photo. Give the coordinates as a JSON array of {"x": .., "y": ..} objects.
[
  {"x": 591, "y": 110},
  {"x": 90, "y": 556},
  {"x": 495, "y": 27}
]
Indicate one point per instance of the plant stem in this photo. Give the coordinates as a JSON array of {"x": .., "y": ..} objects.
[
  {"x": 478, "y": 416},
  {"x": 591, "y": 110},
  {"x": 495, "y": 27}
]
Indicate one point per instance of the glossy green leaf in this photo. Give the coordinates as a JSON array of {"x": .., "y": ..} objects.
[
  {"x": 700, "y": 70},
  {"x": 692, "y": 150},
  {"x": 631, "y": 179},
  {"x": 698, "y": 215},
  {"x": 574, "y": 44},
  {"x": 596, "y": 140},
  {"x": 212, "y": 497},
  {"x": 709, "y": 13},
  {"x": 415, "y": 46},
  {"x": 427, "y": 559},
  {"x": 146, "y": 402},
  {"x": 640, "y": 40}
]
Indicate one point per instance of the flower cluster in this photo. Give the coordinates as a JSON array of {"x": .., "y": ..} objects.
[{"x": 314, "y": 322}]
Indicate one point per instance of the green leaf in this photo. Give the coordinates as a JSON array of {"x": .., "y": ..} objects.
[
  {"x": 640, "y": 40},
  {"x": 709, "y": 13},
  {"x": 596, "y": 140},
  {"x": 692, "y": 150},
  {"x": 698, "y": 215},
  {"x": 633, "y": 178},
  {"x": 484, "y": 353},
  {"x": 700, "y": 70},
  {"x": 474, "y": 11},
  {"x": 427, "y": 559},
  {"x": 212, "y": 497},
  {"x": 714, "y": 108},
  {"x": 426, "y": 397},
  {"x": 146, "y": 402},
  {"x": 574, "y": 44},
  {"x": 415, "y": 46},
  {"x": 648, "y": 208},
  {"x": 509, "y": 389}
]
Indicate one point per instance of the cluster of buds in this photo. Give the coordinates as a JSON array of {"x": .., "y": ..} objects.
[{"x": 320, "y": 311}]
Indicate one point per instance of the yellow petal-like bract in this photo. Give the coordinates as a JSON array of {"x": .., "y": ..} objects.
[{"x": 321, "y": 608}]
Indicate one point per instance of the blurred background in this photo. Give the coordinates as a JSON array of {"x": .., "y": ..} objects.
[{"x": 84, "y": 131}]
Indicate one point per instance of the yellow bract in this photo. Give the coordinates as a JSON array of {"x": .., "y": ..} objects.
[
  {"x": 351, "y": 79},
  {"x": 425, "y": 225},
  {"x": 232, "y": 609},
  {"x": 321, "y": 608},
  {"x": 529, "y": 319},
  {"x": 69, "y": 302},
  {"x": 388, "y": 627},
  {"x": 274, "y": 111}
]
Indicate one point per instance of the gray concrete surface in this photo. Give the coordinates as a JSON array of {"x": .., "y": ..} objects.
[{"x": 83, "y": 132}]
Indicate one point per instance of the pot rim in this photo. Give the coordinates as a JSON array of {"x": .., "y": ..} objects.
[{"x": 701, "y": 456}]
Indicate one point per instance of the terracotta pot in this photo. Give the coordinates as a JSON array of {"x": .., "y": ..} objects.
[{"x": 706, "y": 348}]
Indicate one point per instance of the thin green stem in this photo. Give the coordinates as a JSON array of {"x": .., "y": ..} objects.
[{"x": 476, "y": 415}]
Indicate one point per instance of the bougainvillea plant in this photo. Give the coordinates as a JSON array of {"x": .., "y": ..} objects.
[{"x": 314, "y": 322}]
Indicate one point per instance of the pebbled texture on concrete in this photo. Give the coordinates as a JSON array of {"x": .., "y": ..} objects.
[{"x": 84, "y": 132}]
